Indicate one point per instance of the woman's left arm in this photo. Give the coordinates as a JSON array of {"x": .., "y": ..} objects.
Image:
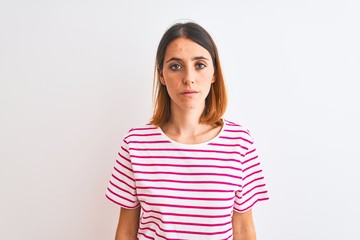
[{"x": 243, "y": 226}]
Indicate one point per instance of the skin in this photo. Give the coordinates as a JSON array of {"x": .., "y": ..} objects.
[
  {"x": 188, "y": 73},
  {"x": 243, "y": 226},
  {"x": 128, "y": 224}
]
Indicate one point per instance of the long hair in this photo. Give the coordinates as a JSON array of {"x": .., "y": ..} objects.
[{"x": 215, "y": 102}]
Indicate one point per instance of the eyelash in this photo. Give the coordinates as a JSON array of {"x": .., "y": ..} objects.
[
  {"x": 202, "y": 66},
  {"x": 176, "y": 67}
]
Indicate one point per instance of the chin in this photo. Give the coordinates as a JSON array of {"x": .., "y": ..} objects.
[{"x": 192, "y": 107}]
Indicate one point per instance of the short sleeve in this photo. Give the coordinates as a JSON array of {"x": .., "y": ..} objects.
[
  {"x": 253, "y": 185},
  {"x": 121, "y": 188}
]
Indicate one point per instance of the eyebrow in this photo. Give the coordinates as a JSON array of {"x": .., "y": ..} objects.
[{"x": 194, "y": 58}]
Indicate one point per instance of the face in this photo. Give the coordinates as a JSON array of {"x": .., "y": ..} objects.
[{"x": 187, "y": 73}]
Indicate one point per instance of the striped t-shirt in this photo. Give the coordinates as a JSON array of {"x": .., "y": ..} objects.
[{"x": 187, "y": 191}]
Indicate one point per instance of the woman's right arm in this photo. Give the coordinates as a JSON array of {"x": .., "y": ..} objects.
[{"x": 128, "y": 224}]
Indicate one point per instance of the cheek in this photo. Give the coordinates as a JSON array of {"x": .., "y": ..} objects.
[
  {"x": 170, "y": 78},
  {"x": 171, "y": 86},
  {"x": 208, "y": 73},
  {"x": 208, "y": 78}
]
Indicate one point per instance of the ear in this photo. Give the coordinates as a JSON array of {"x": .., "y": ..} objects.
[
  {"x": 213, "y": 79},
  {"x": 162, "y": 79}
]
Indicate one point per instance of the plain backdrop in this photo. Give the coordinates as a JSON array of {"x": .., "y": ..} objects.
[{"x": 76, "y": 75}]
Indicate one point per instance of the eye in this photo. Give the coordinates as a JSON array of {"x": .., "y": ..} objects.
[
  {"x": 200, "y": 66},
  {"x": 175, "y": 67}
]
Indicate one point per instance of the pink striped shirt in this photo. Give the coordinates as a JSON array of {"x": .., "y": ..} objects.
[{"x": 187, "y": 191}]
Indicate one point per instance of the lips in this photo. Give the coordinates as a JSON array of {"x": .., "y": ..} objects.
[{"x": 189, "y": 92}]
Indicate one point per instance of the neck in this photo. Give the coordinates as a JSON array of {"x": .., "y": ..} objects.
[
  {"x": 184, "y": 126},
  {"x": 184, "y": 122}
]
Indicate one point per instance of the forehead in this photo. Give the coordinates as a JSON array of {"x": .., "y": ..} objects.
[{"x": 185, "y": 48}]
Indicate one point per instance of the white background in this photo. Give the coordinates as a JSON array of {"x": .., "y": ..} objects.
[{"x": 76, "y": 75}]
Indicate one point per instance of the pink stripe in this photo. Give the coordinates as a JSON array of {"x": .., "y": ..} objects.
[
  {"x": 141, "y": 129},
  {"x": 255, "y": 194},
  {"x": 245, "y": 209},
  {"x": 257, "y": 186},
  {"x": 185, "y": 150},
  {"x": 188, "y": 223},
  {"x": 186, "y": 215},
  {"x": 186, "y": 190},
  {"x": 122, "y": 205},
  {"x": 251, "y": 151},
  {"x": 120, "y": 180},
  {"x": 129, "y": 169},
  {"x": 146, "y": 236},
  {"x": 256, "y": 179},
  {"x": 229, "y": 237},
  {"x": 231, "y": 123},
  {"x": 192, "y": 158},
  {"x": 121, "y": 189},
  {"x": 119, "y": 196},
  {"x": 237, "y": 131},
  {"x": 248, "y": 160},
  {"x": 186, "y": 232},
  {"x": 252, "y": 174},
  {"x": 190, "y": 174},
  {"x": 185, "y": 206},
  {"x": 186, "y": 198},
  {"x": 191, "y": 182},
  {"x": 237, "y": 138},
  {"x": 252, "y": 166},
  {"x": 228, "y": 145},
  {"x": 185, "y": 165},
  {"x": 124, "y": 149},
  {"x": 125, "y": 175},
  {"x": 142, "y": 135},
  {"x": 149, "y": 142},
  {"x": 154, "y": 231},
  {"x": 123, "y": 157}
]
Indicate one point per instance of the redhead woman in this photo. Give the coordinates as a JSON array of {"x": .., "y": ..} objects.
[{"x": 188, "y": 173}]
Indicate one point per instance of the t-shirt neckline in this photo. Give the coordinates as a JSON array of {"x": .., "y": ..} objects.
[{"x": 190, "y": 145}]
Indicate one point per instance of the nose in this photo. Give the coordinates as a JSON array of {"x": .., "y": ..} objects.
[{"x": 189, "y": 77}]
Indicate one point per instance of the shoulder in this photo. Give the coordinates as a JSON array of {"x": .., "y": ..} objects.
[
  {"x": 143, "y": 130},
  {"x": 233, "y": 130},
  {"x": 235, "y": 127}
]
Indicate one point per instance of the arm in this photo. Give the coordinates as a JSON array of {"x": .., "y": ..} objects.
[
  {"x": 243, "y": 226},
  {"x": 128, "y": 224}
]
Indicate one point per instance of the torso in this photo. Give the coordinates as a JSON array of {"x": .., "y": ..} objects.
[{"x": 187, "y": 191}]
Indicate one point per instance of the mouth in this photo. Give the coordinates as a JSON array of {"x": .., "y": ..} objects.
[{"x": 189, "y": 92}]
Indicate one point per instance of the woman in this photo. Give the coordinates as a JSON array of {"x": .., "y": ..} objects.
[{"x": 188, "y": 174}]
